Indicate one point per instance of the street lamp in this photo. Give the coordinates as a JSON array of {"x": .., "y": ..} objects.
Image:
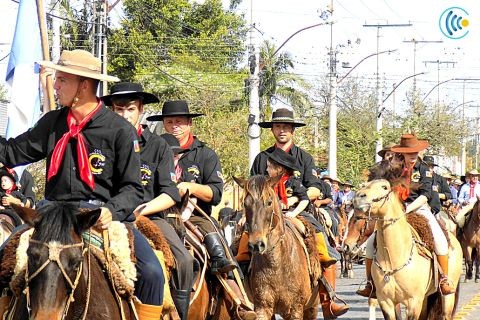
[
  {"x": 437, "y": 85},
  {"x": 379, "y": 121}
]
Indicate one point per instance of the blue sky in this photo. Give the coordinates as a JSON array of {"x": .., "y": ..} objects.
[{"x": 278, "y": 19}]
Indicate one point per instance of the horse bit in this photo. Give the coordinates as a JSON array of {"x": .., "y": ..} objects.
[{"x": 54, "y": 250}]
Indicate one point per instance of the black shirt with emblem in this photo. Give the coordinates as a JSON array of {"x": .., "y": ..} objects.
[
  {"x": 439, "y": 185},
  {"x": 422, "y": 179},
  {"x": 157, "y": 169},
  {"x": 304, "y": 162},
  {"x": 295, "y": 188},
  {"x": 110, "y": 142},
  {"x": 201, "y": 165}
]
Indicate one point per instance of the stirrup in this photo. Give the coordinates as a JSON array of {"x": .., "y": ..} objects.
[{"x": 445, "y": 281}]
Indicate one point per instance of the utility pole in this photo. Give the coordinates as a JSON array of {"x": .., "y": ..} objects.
[
  {"x": 254, "y": 83},
  {"x": 414, "y": 41},
  {"x": 379, "y": 120},
  {"x": 438, "y": 62},
  {"x": 56, "y": 23},
  {"x": 332, "y": 117}
]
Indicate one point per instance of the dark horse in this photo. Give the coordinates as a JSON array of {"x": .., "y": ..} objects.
[
  {"x": 469, "y": 238},
  {"x": 279, "y": 274},
  {"x": 64, "y": 280}
]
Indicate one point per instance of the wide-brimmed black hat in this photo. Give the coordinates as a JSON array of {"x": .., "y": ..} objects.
[
  {"x": 9, "y": 173},
  {"x": 284, "y": 159},
  {"x": 173, "y": 143},
  {"x": 348, "y": 183},
  {"x": 282, "y": 115},
  {"x": 129, "y": 89},
  {"x": 174, "y": 108},
  {"x": 429, "y": 160}
]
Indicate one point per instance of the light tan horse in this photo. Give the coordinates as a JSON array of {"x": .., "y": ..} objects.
[{"x": 400, "y": 273}]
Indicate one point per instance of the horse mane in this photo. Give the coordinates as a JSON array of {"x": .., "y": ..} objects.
[
  {"x": 392, "y": 173},
  {"x": 255, "y": 186},
  {"x": 55, "y": 220}
]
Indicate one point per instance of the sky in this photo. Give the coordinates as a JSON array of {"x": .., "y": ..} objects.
[{"x": 276, "y": 20}]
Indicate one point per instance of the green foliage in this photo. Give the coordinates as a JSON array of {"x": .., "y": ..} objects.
[{"x": 3, "y": 94}]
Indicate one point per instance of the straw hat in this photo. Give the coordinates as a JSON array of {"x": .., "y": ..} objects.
[
  {"x": 382, "y": 152},
  {"x": 81, "y": 63},
  {"x": 410, "y": 143},
  {"x": 473, "y": 172}
]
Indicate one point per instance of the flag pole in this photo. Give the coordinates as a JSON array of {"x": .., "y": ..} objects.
[{"x": 49, "y": 101}]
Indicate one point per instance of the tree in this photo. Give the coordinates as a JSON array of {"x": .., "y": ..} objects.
[{"x": 3, "y": 94}]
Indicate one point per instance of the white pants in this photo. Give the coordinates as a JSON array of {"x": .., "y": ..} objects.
[{"x": 440, "y": 241}]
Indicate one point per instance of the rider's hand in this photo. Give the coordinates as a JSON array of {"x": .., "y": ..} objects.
[
  {"x": 8, "y": 200},
  {"x": 183, "y": 187},
  {"x": 242, "y": 221},
  {"x": 105, "y": 218},
  {"x": 138, "y": 210}
]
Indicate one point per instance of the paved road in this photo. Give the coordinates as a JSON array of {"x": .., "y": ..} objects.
[{"x": 468, "y": 306}]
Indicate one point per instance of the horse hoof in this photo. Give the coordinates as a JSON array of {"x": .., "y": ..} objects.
[{"x": 350, "y": 275}]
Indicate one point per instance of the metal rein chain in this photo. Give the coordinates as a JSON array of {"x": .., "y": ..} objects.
[{"x": 386, "y": 273}]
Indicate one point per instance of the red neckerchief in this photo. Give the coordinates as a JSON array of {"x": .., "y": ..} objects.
[
  {"x": 139, "y": 130},
  {"x": 280, "y": 189},
  {"x": 403, "y": 191},
  {"x": 189, "y": 142},
  {"x": 286, "y": 150},
  {"x": 74, "y": 131},
  {"x": 472, "y": 189}
]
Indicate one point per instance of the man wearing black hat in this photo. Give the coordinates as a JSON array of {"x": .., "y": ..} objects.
[
  {"x": 283, "y": 126},
  {"x": 440, "y": 189},
  {"x": 204, "y": 164},
  {"x": 127, "y": 99}
]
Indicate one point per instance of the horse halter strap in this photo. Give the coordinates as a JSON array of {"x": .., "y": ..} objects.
[{"x": 54, "y": 251}]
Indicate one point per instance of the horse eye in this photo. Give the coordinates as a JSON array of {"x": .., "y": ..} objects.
[
  {"x": 268, "y": 203},
  {"x": 384, "y": 188}
]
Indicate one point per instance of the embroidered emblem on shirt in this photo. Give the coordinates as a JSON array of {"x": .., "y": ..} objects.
[
  {"x": 220, "y": 175},
  {"x": 297, "y": 173},
  {"x": 314, "y": 172},
  {"x": 415, "y": 176},
  {"x": 428, "y": 174},
  {"x": 435, "y": 188},
  {"x": 289, "y": 192},
  {"x": 173, "y": 177},
  {"x": 193, "y": 170},
  {"x": 145, "y": 174},
  {"x": 96, "y": 160},
  {"x": 136, "y": 146}
]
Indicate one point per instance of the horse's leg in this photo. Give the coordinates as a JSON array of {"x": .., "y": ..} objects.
[
  {"x": 295, "y": 313},
  {"x": 372, "y": 305},
  {"x": 310, "y": 313},
  {"x": 477, "y": 264},
  {"x": 468, "y": 263},
  {"x": 414, "y": 309},
  {"x": 264, "y": 313},
  {"x": 388, "y": 309},
  {"x": 350, "y": 266}
]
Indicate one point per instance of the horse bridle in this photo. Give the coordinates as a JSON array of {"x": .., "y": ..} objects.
[
  {"x": 54, "y": 250},
  {"x": 384, "y": 198}
]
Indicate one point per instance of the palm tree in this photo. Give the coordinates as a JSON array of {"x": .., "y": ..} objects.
[{"x": 278, "y": 82}]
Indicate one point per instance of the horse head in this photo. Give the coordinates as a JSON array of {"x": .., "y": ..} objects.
[
  {"x": 262, "y": 211},
  {"x": 360, "y": 227},
  {"x": 55, "y": 256},
  {"x": 372, "y": 198}
]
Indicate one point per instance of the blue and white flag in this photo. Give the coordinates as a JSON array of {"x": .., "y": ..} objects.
[
  {"x": 23, "y": 78},
  {"x": 23, "y": 109}
]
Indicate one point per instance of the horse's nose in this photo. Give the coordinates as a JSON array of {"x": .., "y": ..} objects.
[{"x": 257, "y": 247}]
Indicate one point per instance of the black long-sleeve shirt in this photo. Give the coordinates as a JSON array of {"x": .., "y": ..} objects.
[
  {"x": 157, "y": 168},
  {"x": 111, "y": 146},
  {"x": 202, "y": 164}
]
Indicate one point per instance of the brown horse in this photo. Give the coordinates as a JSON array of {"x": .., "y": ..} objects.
[
  {"x": 400, "y": 273},
  {"x": 279, "y": 277},
  {"x": 63, "y": 279},
  {"x": 470, "y": 240},
  {"x": 359, "y": 228}
]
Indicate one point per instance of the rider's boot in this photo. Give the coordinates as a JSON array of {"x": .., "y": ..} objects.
[
  {"x": 331, "y": 309},
  {"x": 243, "y": 254},
  {"x": 446, "y": 287},
  {"x": 148, "y": 311},
  {"x": 181, "y": 298},
  {"x": 219, "y": 261},
  {"x": 242, "y": 312},
  {"x": 325, "y": 258},
  {"x": 369, "y": 290}
]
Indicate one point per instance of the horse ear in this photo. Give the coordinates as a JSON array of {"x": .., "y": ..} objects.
[
  {"x": 87, "y": 218},
  {"x": 184, "y": 202},
  {"x": 27, "y": 214},
  {"x": 240, "y": 181}
]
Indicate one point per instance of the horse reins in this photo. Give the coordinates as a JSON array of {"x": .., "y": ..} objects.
[
  {"x": 387, "y": 274},
  {"x": 54, "y": 251}
]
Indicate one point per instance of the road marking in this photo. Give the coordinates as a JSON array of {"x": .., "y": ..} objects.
[{"x": 467, "y": 308}]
